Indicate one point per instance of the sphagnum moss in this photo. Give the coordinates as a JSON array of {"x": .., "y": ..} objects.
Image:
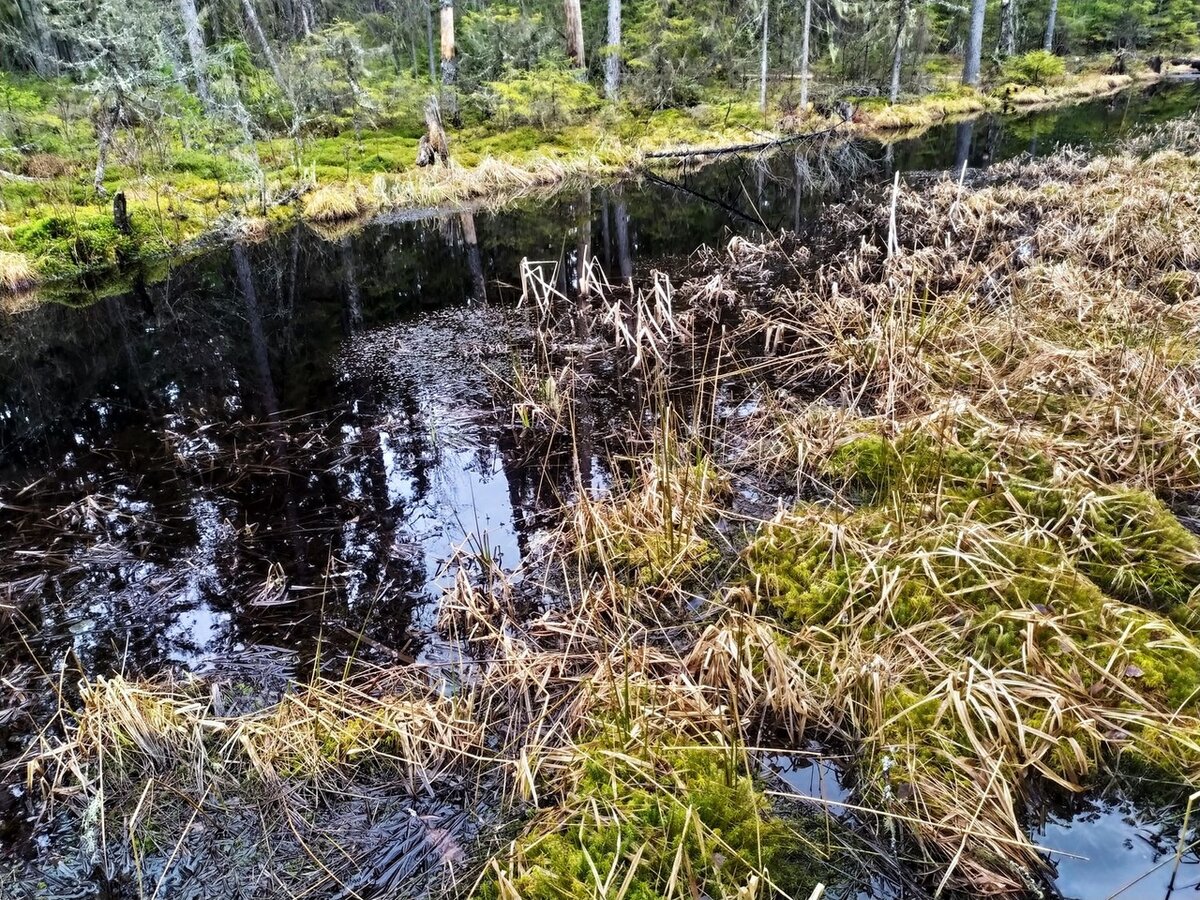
[{"x": 642, "y": 824}]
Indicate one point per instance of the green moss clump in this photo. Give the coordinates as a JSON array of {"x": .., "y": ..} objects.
[
  {"x": 668, "y": 813},
  {"x": 67, "y": 246},
  {"x": 973, "y": 544}
]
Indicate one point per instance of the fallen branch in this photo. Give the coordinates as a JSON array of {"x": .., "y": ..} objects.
[{"x": 743, "y": 148}]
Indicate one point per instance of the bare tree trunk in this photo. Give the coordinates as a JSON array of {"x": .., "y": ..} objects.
[
  {"x": 105, "y": 129},
  {"x": 1008, "y": 27},
  {"x": 195, "y": 42},
  {"x": 449, "y": 62},
  {"x": 42, "y": 50},
  {"x": 974, "y": 52},
  {"x": 898, "y": 50},
  {"x": 612, "y": 65},
  {"x": 762, "y": 83},
  {"x": 574, "y": 24},
  {"x": 429, "y": 39},
  {"x": 1048, "y": 41},
  {"x": 261, "y": 37},
  {"x": 804, "y": 56}
]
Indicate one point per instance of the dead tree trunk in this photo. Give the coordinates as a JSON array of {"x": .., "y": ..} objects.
[
  {"x": 106, "y": 127},
  {"x": 804, "y": 74},
  {"x": 762, "y": 78},
  {"x": 974, "y": 52},
  {"x": 1008, "y": 27},
  {"x": 449, "y": 61},
  {"x": 612, "y": 65},
  {"x": 898, "y": 50},
  {"x": 121, "y": 214},
  {"x": 261, "y": 37},
  {"x": 574, "y": 28},
  {"x": 1051, "y": 23},
  {"x": 195, "y": 42},
  {"x": 433, "y": 74},
  {"x": 434, "y": 146}
]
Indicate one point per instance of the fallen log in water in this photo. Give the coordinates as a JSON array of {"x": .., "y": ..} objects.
[{"x": 743, "y": 148}]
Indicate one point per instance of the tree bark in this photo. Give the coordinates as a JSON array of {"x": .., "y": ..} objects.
[
  {"x": 105, "y": 129},
  {"x": 195, "y": 42},
  {"x": 898, "y": 50},
  {"x": 612, "y": 65},
  {"x": 762, "y": 80},
  {"x": 433, "y": 73},
  {"x": 1008, "y": 28},
  {"x": 42, "y": 52},
  {"x": 261, "y": 37},
  {"x": 449, "y": 61},
  {"x": 974, "y": 52},
  {"x": 804, "y": 74},
  {"x": 1048, "y": 40},
  {"x": 574, "y": 23}
]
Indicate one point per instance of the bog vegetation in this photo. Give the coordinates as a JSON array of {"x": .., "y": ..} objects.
[
  {"x": 971, "y": 407},
  {"x": 980, "y": 396},
  {"x": 202, "y": 114}
]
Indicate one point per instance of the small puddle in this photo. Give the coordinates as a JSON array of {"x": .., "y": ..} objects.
[{"x": 1115, "y": 848}]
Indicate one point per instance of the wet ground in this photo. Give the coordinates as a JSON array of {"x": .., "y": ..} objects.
[{"x": 262, "y": 465}]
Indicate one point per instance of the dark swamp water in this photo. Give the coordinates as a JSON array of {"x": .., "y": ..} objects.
[{"x": 261, "y": 466}]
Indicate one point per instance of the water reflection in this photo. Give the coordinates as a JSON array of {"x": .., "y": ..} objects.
[
  {"x": 280, "y": 445},
  {"x": 1117, "y": 849}
]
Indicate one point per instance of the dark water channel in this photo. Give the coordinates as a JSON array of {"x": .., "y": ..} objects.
[{"x": 261, "y": 465}]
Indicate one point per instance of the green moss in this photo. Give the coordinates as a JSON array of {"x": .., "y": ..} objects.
[
  {"x": 66, "y": 245},
  {"x": 956, "y": 533},
  {"x": 673, "y": 814}
]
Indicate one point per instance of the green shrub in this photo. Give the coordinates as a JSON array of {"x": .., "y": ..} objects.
[
  {"x": 548, "y": 96},
  {"x": 207, "y": 165},
  {"x": 1038, "y": 67}
]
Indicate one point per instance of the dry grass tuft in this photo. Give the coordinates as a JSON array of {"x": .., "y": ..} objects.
[
  {"x": 338, "y": 203},
  {"x": 17, "y": 274}
]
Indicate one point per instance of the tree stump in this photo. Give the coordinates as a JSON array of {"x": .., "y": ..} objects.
[
  {"x": 121, "y": 215},
  {"x": 434, "y": 145}
]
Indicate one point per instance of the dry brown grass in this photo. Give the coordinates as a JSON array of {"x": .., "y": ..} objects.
[
  {"x": 338, "y": 203},
  {"x": 46, "y": 165},
  {"x": 17, "y": 274}
]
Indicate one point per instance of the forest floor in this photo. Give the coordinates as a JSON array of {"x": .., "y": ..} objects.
[
  {"x": 186, "y": 191},
  {"x": 980, "y": 399}
]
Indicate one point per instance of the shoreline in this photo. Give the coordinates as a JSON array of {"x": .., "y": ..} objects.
[{"x": 416, "y": 194}]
